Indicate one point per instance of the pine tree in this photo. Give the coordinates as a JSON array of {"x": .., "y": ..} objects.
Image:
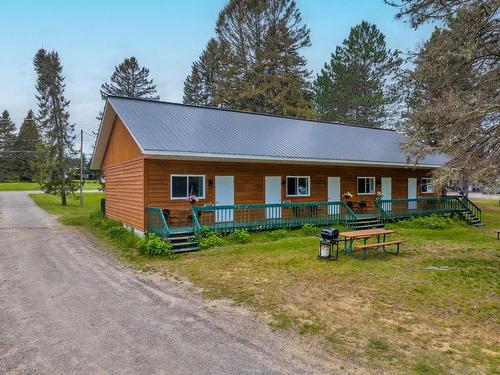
[
  {"x": 54, "y": 120},
  {"x": 130, "y": 80},
  {"x": 258, "y": 65},
  {"x": 7, "y": 132},
  {"x": 7, "y": 138},
  {"x": 25, "y": 147},
  {"x": 200, "y": 87},
  {"x": 453, "y": 103},
  {"x": 355, "y": 86}
]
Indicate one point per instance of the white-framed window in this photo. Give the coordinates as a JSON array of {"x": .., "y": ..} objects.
[
  {"x": 183, "y": 185},
  {"x": 366, "y": 185},
  {"x": 427, "y": 185},
  {"x": 298, "y": 186}
]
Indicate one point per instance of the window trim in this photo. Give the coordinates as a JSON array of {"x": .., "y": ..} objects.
[
  {"x": 187, "y": 175},
  {"x": 422, "y": 185},
  {"x": 374, "y": 185},
  {"x": 299, "y": 195}
]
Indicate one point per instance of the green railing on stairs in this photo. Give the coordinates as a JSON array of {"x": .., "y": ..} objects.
[
  {"x": 271, "y": 216},
  {"x": 399, "y": 208},
  {"x": 155, "y": 222},
  {"x": 471, "y": 207}
]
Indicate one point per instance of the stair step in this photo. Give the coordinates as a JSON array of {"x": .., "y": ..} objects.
[
  {"x": 180, "y": 238},
  {"x": 176, "y": 245},
  {"x": 186, "y": 249}
]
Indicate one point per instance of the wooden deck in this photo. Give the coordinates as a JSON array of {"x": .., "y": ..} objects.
[{"x": 295, "y": 215}]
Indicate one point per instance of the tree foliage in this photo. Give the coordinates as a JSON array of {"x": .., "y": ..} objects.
[
  {"x": 454, "y": 103},
  {"x": 355, "y": 87},
  {"x": 7, "y": 138},
  {"x": 131, "y": 80},
  {"x": 255, "y": 62},
  {"x": 25, "y": 147},
  {"x": 54, "y": 120}
]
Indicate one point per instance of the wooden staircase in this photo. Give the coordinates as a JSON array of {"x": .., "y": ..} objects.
[
  {"x": 367, "y": 222},
  {"x": 183, "y": 240}
]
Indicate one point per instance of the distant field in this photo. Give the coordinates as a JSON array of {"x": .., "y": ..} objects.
[{"x": 23, "y": 186}]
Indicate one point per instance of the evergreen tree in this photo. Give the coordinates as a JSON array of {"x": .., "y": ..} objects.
[
  {"x": 7, "y": 132},
  {"x": 25, "y": 146},
  {"x": 453, "y": 103},
  {"x": 7, "y": 138},
  {"x": 258, "y": 65},
  {"x": 200, "y": 87},
  {"x": 355, "y": 86},
  {"x": 130, "y": 80},
  {"x": 54, "y": 120}
]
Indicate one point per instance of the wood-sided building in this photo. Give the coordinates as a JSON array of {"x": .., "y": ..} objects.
[{"x": 156, "y": 154}]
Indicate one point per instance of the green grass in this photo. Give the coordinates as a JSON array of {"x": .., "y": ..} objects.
[
  {"x": 24, "y": 186},
  {"x": 389, "y": 313},
  {"x": 73, "y": 213}
]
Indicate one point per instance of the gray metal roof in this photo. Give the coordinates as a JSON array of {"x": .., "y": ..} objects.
[{"x": 164, "y": 128}]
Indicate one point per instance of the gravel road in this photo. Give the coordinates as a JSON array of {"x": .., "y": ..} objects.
[{"x": 66, "y": 307}]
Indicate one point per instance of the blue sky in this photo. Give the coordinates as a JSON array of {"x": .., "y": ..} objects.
[{"x": 93, "y": 36}]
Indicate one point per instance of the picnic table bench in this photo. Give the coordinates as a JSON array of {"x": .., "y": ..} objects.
[{"x": 365, "y": 235}]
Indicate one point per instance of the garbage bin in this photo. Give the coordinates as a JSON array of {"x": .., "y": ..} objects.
[{"x": 328, "y": 239}]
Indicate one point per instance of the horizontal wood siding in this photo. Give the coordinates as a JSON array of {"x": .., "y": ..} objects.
[
  {"x": 249, "y": 180},
  {"x": 125, "y": 192},
  {"x": 121, "y": 146}
]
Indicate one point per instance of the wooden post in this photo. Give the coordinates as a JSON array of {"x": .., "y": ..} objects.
[{"x": 81, "y": 167}]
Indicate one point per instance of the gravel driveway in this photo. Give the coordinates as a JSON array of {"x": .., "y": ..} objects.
[{"x": 67, "y": 307}]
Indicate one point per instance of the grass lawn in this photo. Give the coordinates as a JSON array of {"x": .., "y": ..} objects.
[
  {"x": 388, "y": 313},
  {"x": 73, "y": 213},
  {"x": 23, "y": 186}
]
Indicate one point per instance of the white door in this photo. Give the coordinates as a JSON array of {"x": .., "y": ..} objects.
[
  {"x": 224, "y": 196},
  {"x": 273, "y": 195},
  {"x": 412, "y": 193},
  {"x": 387, "y": 192},
  {"x": 333, "y": 194}
]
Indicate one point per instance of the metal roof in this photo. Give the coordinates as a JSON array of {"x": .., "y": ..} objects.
[{"x": 178, "y": 130}]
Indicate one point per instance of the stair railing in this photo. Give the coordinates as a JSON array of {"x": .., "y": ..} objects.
[
  {"x": 196, "y": 222},
  {"x": 470, "y": 206},
  {"x": 383, "y": 215},
  {"x": 155, "y": 222}
]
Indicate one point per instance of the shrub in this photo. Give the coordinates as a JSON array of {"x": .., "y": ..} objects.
[
  {"x": 309, "y": 229},
  {"x": 240, "y": 236},
  {"x": 428, "y": 222},
  {"x": 109, "y": 223},
  {"x": 278, "y": 234},
  {"x": 116, "y": 232},
  {"x": 152, "y": 245},
  {"x": 206, "y": 231},
  {"x": 211, "y": 239}
]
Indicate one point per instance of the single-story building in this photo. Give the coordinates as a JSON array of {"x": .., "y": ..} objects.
[{"x": 156, "y": 154}]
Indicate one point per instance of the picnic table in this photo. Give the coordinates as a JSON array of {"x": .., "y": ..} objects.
[{"x": 364, "y": 235}]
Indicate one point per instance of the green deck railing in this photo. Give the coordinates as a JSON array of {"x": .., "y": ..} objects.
[
  {"x": 271, "y": 216},
  {"x": 155, "y": 222},
  {"x": 400, "y": 208}
]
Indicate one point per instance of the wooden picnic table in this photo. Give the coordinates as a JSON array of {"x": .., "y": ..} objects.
[{"x": 364, "y": 234}]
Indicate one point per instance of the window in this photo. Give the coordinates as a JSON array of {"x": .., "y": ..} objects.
[
  {"x": 366, "y": 185},
  {"x": 427, "y": 185},
  {"x": 297, "y": 186},
  {"x": 181, "y": 186}
]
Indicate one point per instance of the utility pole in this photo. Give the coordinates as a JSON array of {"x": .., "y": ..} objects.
[{"x": 81, "y": 167}]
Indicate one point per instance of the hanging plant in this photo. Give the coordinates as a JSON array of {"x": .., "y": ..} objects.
[{"x": 347, "y": 195}]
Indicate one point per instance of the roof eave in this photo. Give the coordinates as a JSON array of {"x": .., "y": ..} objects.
[{"x": 281, "y": 160}]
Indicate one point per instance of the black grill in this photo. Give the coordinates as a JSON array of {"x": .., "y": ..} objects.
[{"x": 330, "y": 234}]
